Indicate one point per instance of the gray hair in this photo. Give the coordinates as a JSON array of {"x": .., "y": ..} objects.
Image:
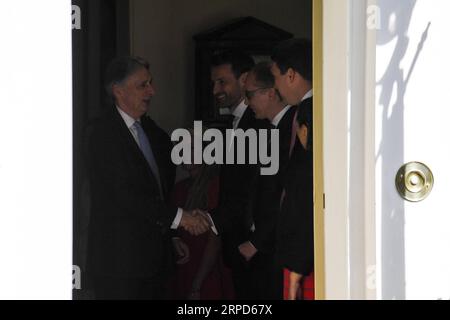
[
  {"x": 120, "y": 69},
  {"x": 264, "y": 77}
]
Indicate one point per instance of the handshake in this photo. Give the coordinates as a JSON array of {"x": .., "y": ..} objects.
[{"x": 196, "y": 222}]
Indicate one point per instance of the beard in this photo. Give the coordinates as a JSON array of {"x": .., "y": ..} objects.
[{"x": 224, "y": 100}]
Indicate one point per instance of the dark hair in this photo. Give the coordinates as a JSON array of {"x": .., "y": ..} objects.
[
  {"x": 264, "y": 77},
  {"x": 120, "y": 69},
  {"x": 239, "y": 61},
  {"x": 295, "y": 54}
]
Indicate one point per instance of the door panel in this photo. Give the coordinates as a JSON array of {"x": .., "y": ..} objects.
[{"x": 412, "y": 125}]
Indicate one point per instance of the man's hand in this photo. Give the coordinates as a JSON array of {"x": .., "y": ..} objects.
[
  {"x": 182, "y": 250},
  {"x": 195, "y": 222},
  {"x": 247, "y": 250}
]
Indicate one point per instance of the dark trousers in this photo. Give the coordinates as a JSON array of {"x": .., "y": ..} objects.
[
  {"x": 266, "y": 279},
  {"x": 258, "y": 279},
  {"x": 112, "y": 288},
  {"x": 240, "y": 269},
  {"x": 240, "y": 272}
]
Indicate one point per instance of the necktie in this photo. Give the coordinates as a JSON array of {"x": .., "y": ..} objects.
[
  {"x": 146, "y": 149},
  {"x": 235, "y": 124},
  {"x": 229, "y": 122},
  {"x": 293, "y": 132}
]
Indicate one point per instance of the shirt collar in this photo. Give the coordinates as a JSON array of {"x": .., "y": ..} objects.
[
  {"x": 280, "y": 116},
  {"x": 308, "y": 95},
  {"x": 129, "y": 121},
  {"x": 240, "y": 109}
]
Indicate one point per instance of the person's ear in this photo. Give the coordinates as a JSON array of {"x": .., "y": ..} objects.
[
  {"x": 273, "y": 94},
  {"x": 291, "y": 75},
  {"x": 302, "y": 134},
  {"x": 116, "y": 91},
  {"x": 243, "y": 79}
]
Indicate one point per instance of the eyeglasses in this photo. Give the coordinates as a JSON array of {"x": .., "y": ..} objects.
[{"x": 251, "y": 93}]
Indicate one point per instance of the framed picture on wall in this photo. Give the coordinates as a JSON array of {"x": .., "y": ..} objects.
[{"x": 250, "y": 35}]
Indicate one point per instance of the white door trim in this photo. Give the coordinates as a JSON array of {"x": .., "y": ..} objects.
[{"x": 348, "y": 106}]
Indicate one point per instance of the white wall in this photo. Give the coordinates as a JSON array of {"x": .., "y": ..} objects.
[
  {"x": 35, "y": 150},
  {"x": 162, "y": 32}
]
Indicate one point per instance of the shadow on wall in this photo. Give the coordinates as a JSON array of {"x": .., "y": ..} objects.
[{"x": 395, "y": 22}]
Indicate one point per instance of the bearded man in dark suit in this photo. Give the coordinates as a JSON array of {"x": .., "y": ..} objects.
[{"x": 233, "y": 216}]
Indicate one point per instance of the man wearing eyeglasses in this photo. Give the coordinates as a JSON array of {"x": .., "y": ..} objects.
[{"x": 259, "y": 249}]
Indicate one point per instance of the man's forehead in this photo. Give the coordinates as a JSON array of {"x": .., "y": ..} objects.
[
  {"x": 141, "y": 75},
  {"x": 222, "y": 70}
]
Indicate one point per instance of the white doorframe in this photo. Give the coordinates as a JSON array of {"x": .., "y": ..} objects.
[
  {"x": 349, "y": 135},
  {"x": 335, "y": 110}
]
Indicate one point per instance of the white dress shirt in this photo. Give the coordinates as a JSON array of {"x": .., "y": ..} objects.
[
  {"x": 238, "y": 113},
  {"x": 309, "y": 94},
  {"x": 280, "y": 115},
  {"x": 129, "y": 121}
]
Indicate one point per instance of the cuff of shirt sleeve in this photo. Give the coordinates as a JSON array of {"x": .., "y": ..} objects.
[
  {"x": 213, "y": 226},
  {"x": 251, "y": 243},
  {"x": 177, "y": 220}
]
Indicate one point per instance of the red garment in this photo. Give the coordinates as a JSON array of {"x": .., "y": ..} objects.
[
  {"x": 306, "y": 286},
  {"x": 218, "y": 284}
]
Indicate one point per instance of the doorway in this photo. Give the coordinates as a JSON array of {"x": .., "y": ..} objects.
[{"x": 161, "y": 32}]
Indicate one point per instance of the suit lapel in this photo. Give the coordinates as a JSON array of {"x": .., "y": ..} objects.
[
  {"x": 246, "y": 119},
  {"x": 130, "y": 144},
  {"x": 158, "y": 152},
  {"x": 285, "y": 127},
  {"x": 127, "y": 138}
]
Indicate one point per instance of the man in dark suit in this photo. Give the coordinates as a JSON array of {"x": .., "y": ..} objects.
[
  {"x": 131, "y": 174},
  {"x": 233, "y": 217},
  {"x": 292, "y": 69},
  {"x": 259, "y": 250}
]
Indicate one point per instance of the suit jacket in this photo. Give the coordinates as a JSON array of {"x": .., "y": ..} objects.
[
  {"x": 130, "y": 223},
  {"x": 295, "y": 227},
  {"x": 233, "y": 216},
  {"x": 266, "y": 200}
]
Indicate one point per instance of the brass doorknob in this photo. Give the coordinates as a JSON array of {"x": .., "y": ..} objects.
[{"x": 414, "y": 181}]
